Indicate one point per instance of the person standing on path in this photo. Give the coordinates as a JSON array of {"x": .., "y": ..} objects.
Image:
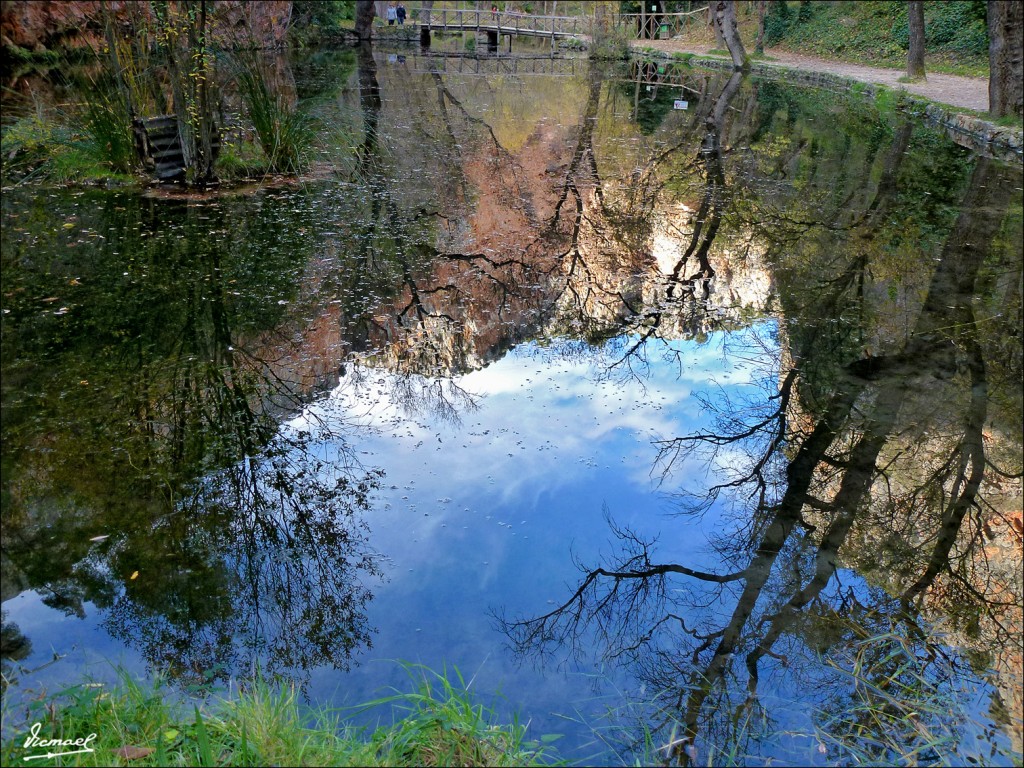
[
  {"x": 392, "y": 14},
  {"x": 400, "y": 14}
]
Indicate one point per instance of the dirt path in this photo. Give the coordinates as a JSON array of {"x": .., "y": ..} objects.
[{"x": 954, "y": 90}]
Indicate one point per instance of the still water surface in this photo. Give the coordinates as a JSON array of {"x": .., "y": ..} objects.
[{"x": 703, "y": 421}]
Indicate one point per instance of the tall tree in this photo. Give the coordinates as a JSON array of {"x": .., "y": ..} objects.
[
  {"x": 915, "y": 53},
  {"x": 1005, "y": 58},
  {"x": 762, "y": 9},
  {"x": 719, "y": 40},
  {"x": 365, "y": 11},
  {"x": 725, "y": 22},
  {"x": 183, "y": 32}
]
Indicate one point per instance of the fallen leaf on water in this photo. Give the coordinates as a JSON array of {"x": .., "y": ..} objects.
[
  {"x": 134, "y": 576},
  {"x": 133, "y": 753},
  {"x": 100, "y": 538}
]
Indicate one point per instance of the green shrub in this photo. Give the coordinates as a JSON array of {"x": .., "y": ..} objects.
[
  {"x": 956, "y": 27},
  {"x": 776, "y": 22},
  {"x": 285, "y": 133},
  {"x": 108, "y": 127},
  {"x": 956, "y": 37},
  {"x": 608, "y": 42},
  {"x": 46, "y": 146}
]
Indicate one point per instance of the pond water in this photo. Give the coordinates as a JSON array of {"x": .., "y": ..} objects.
[{"x": 700, "y": 422}]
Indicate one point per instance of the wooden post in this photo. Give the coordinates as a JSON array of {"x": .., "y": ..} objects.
[{"x": 424, "y": 19}]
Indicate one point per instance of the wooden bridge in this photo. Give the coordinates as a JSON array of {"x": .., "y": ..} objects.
[
  {"x": 503, "y": 23},
  {"x": 642, "y": 26},
  {"x": 498, "y": 23}
]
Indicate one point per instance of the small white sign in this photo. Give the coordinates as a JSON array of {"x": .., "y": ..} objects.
[{"x": 680, "y": 104}]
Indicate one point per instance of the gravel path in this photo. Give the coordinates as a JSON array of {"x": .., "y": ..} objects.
[{"x": 954, "y": 90}]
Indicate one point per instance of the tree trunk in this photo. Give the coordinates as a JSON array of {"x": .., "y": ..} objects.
[
  {"x": 762, "y": 9},
  {"x": 915, "y": 53},
  {"x": 110, "y": 35},
  {"x": 725, "y": 22},
  {"x": 1005, "y": 58},
  {"x": 719, "y": 40},
  {"x": 203, "y": 172},
  {"x": 365, "y": 12}
]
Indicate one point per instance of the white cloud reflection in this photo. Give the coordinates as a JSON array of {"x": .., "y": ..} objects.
[{"x": 551, "y": 442}]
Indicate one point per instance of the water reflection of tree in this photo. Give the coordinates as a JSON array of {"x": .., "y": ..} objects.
[
  {"x": 265, "y": 560},
  {"x": 687, "y": 287},
  {"x": 160, "y": 376},
  {"x": 869, "y": 458}
]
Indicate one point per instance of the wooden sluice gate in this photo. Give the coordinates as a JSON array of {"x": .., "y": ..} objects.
[{"x": 158, "y": 141}]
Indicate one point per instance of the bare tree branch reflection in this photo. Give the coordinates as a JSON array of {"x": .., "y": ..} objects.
[{"x": 811, "y": 484}]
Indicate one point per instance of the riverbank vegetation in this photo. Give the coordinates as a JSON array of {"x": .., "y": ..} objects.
[
  {"x": 910, "y": 712},
  {"x": 875, "y": 33},
  {"x": 236, "y": 123},
  {"x": 438, "y": 723},
  {"x": 956, "y": 39},
  {"x": 230, "y": 117}
]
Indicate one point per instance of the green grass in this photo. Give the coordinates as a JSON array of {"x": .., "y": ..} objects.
[
  {"x": 899, "y": 712},
  {"x": 58, "y": 147},
  {"x": 264, "y": 723},
  {"x": 241, "y": 159},
  {"x": 286, "y": 133},
  {"x": 109, "y": 130}
]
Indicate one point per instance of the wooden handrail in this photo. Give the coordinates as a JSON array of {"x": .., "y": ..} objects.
[
  {"x": 674, "y": 21},
  {"x": 484, "y": 19}
]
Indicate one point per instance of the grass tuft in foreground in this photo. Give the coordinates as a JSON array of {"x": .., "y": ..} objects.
[{"x": 263, "y": 723}]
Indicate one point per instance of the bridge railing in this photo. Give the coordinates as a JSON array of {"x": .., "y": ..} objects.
[
  {"x": 639, "y": 26},
  {"x": 475, "y": 65},
  {"x": 506, "y": 22},
  {"x": 654, "y": 26}
]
